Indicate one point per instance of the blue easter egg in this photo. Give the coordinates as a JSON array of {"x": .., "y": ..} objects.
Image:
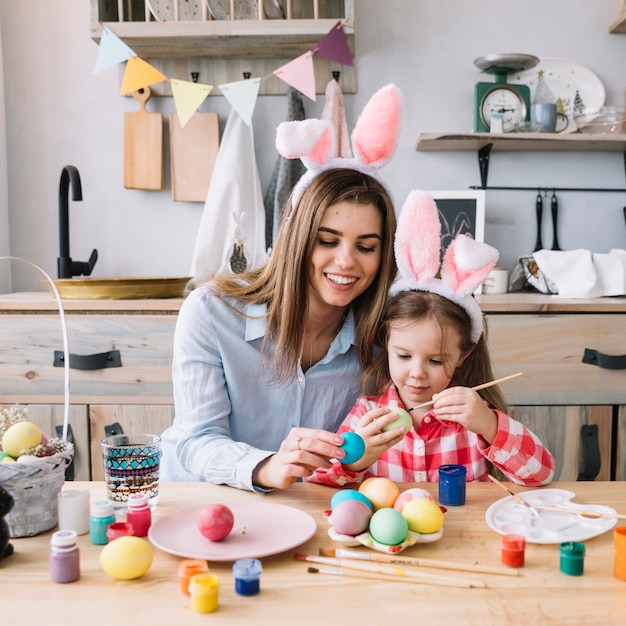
[
  {"x": 349, "y": 494},
  {"x": 354, "y": 446}
]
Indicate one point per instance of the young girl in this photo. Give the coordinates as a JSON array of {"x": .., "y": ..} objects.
[{"x": 436, "y": 350}]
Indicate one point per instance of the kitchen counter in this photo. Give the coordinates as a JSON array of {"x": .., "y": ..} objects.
[{"x": 290, "y": 595}]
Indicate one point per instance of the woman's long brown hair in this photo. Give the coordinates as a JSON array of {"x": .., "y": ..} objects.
[{"x": 282, "y": 283}]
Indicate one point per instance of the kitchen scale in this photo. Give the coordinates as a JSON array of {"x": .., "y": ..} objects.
[{"x": 492, "y": 100}]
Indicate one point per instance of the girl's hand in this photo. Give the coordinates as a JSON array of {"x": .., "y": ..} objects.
[
  {"x": 464, "y": 406},
  {"x": 376, "y": 441},
  {"x": 304, "y": 451}
]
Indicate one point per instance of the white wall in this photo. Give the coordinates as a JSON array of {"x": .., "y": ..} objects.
[{"x": 59, "y": 113}]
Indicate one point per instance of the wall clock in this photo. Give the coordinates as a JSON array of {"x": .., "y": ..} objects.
[{"x": 511, "y": 101}]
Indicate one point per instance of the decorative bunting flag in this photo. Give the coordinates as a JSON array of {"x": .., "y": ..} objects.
[
  {"x": 139, "y": 74},
  {"x": 300, "y": 74},
  {"x": 112, "y": 51},
  {"x": 334, "y": 46},
  {"x": 188, "y": 97},
  {"x": 242, "y": 96}
]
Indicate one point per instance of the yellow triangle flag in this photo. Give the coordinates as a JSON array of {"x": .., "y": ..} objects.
[
  {"x": 188, "y": 97},
  {"x": 139, "y": 74}
]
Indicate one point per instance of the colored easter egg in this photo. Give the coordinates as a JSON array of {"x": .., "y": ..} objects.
[
  {"x": 215, "y": 521},
  {"x": 388, "y": 527},
  {"x": 423, "y": 516},
  {"x": 19, "y": 437},
  {"x": 351, "y": 517},
  {"x": 126, "y": 558},
  {"x": 349, "y": 494},
  {"x": 380, "y": 491},
  {"x": 411, "y": 494},
  {"x": 403, "y": 419},
  {"x": 354, "y": 447}
]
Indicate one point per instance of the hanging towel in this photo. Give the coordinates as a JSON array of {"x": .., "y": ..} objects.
[
  {"x": 335, "y": 113},
  {"x": 286, "y": 174},
  {"x": 231, "y": 232},
  {"x": 584, "y": 274}
]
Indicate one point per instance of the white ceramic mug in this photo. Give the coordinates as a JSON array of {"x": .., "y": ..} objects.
[
  {"x": 547, "y": 115},
  {"x": 497, "y": 281}
]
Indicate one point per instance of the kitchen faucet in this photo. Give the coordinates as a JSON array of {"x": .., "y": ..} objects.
[{"x": 66, "y": 268}]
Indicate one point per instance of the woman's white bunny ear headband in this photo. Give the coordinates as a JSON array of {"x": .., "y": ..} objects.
[
  {"x": 374, "y": 140},
  {"x": 465, "y": 265}
]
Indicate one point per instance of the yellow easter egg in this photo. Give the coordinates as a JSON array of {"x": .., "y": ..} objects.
[
  {"x": 423, "y": 516},
  {"x": 19, "y": 437},
  {"x": 126, "y": 558}
]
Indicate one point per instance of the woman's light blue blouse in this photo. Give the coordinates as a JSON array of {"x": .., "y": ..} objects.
[{"x": 229, "y": 412}]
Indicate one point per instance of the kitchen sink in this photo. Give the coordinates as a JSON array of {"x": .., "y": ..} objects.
[{"x": 120, "y": 288}]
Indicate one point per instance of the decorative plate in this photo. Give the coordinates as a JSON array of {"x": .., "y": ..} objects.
[
  {"x": 572, "y": 86},
  {"x": 509, "y": 516},
  {"x": 366, "y": 539},
  {"x": 244, "y": 9},
  {"x": 261, "y": 529}
]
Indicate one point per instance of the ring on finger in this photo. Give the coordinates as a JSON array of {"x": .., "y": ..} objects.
[{"x": 298, "y": 440}]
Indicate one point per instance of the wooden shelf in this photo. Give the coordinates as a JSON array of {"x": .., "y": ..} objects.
[
  {"x": 619, "y": 26},
  {"x": 524, "y": 142},
  {"x": 241, "y": 39}
]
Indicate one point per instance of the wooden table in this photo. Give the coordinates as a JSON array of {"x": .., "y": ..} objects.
[{"x": 292, "y": 596}]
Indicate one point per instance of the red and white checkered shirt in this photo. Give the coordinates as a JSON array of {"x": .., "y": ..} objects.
[{"x": 516, "y": 451}]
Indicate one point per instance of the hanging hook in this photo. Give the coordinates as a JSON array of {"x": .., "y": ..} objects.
[
  {"x": 336, "y": 75},
  {"x": 554, "y": 208},
  {"x": 247, "y": 75},
  {"x": 539, "y": 211}
]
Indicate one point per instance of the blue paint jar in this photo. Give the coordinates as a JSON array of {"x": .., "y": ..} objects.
[
  {"x": 247, "y": 573},
  {"x": 102, "y": 516},
  {"x": 452, "y": 485}
]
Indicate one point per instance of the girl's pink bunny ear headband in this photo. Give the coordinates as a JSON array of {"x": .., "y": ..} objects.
[
  {"x": 465, "y": 265},
  {"x": 374, "y": 140}
]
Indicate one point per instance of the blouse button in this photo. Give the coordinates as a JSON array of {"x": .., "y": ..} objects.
[{"x": 427, "y": 420}]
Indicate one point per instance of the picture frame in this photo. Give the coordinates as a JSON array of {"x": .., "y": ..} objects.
[{"x": 461, "y": 211}]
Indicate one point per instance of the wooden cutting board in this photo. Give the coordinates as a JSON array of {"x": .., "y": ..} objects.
[
  {"x": 143, "y": 146},
  {"x": 193, "y": 151}
]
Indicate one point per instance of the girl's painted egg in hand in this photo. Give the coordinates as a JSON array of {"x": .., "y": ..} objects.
[{"x": 403, "y": 419}]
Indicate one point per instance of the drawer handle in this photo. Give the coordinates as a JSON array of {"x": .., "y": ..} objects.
[
  {"x": 100, "y": 361},
  {"x": 607, "y": 361},
  {"x": 592, "y": 459}
]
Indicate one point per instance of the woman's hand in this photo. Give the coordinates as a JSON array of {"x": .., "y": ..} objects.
[
  {"x": 376, "y": 441},
  {"x": 464, "y": 406},
  {"x": 304, "y": 451}
]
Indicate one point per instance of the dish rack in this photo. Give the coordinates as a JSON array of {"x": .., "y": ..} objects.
[{"x": 36, "y": 485}]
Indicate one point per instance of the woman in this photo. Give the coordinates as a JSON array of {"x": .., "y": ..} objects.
[{"x": 267, "y": 363}]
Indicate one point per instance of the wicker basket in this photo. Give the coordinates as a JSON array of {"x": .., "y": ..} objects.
[{"x": 35, "y": 487}]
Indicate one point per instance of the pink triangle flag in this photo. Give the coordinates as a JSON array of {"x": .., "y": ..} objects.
[
  {"x": 111, "y": 51},
  {"x": 334, "y": 46},
  {"x": 300, "y": 74}
]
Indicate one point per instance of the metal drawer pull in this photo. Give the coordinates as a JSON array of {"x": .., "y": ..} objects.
[
  {"x": 592, "y": 459},
  {"x": 607, "y": 361},
  {"x": 100, "y": 361}
]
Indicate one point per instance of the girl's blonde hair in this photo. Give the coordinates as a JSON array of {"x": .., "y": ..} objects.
[
  {"x": 282, "y": 283},
  {"x": 415, "y": 306}
]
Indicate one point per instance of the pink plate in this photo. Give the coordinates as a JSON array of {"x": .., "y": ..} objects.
[{"x": 261, "y": 529}]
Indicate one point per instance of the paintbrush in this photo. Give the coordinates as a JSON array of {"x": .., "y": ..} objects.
[
  {"x": 407, "y": 560},
  {"x": 369, "y": 575},
  {"x": 517, "y": 497},
  {"x": 477, "y": 388},
  {"x": 396, "y": 572}
]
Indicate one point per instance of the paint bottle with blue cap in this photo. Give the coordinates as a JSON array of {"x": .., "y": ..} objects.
[
  {"x": 452, "y": 485},
  {"x": 247, "y": 573}
]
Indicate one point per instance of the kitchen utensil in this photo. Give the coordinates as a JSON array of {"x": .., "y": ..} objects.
[
  {"x": 539, "y": 211},
  {"x": 554, "y": 208},
  {"x": 512, "y": 101},
  {"x": 193, "y": 151},
  {"x": 607, "y": 120},
  {"x": 143, "y": 146},
  {"x": 477, "y": 388}
]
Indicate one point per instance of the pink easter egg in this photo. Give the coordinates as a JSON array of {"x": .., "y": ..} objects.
[{"x": 411, "y": 494}]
